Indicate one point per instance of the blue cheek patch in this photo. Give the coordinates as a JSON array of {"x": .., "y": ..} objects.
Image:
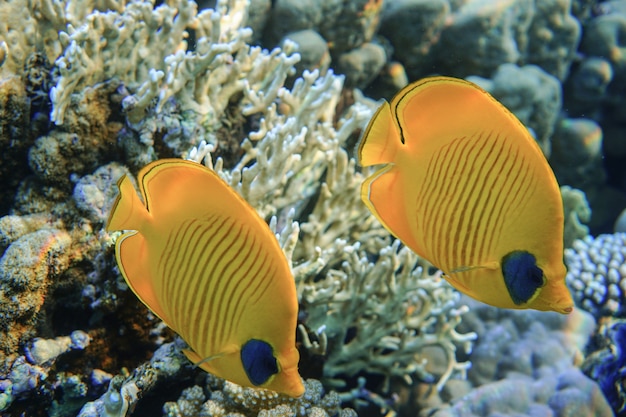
[
  {"x": 258, "y": 361},
  {"x": 522, "y": 276}
]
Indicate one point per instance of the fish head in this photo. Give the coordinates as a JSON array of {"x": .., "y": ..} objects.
[
  {"x": 287, "y": 380},
  {"x": 554, "y": 295},
  {"x": 267, "y": 368}
]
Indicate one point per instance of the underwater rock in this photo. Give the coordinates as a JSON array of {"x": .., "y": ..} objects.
[
  {"x": 597, "y": 274},
  {"x": 582, "y": 9},
  {"x": 413, "y": 27},
  {"x": 568, "y": 394},
  {"x": 522, "y": 365},
  {"x": 553, "y": 37},
  {"x": 391, "y": 79},
  {"x": 85, "y": 140},
  {"x": 227, "y": 399},
  {"x": 13, "y": 227},
  {"x": 576, "y": 211},
  {"x": 167, "y": 363},
  {"x": 344, "y": 24},
  {"x": 258, "y": 15},
  {"x": 292, "y": 16},
  {"x": 481, "y": 36},
  {"x": 25, "y": 270},
  {"x": 620, "y": 223},
  {"x": 22, "y": 378},
  {"x": 73, "y": 394},
  {"x": 42, "y": 351},
  {"x": 587, "y": 87},
  {"x": 576, "y": 156},
  {"x": 94, "y": 194},
  {"x": 605, "y": 37},
  {"x": 362, "y": 64},
  {"x": 55, "y": 156},
  {"x": 348, "y": 24},
  {"x": 614, "y": 143},
  {"x": 15, "y": 138}
]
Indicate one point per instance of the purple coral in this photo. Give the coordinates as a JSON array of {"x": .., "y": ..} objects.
[{"x": 608, "y": 367}]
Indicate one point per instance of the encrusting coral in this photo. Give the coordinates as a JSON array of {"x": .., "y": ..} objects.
[{"x": 227, "y": 399}]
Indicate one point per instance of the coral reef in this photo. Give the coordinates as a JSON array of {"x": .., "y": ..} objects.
[
  {"x": 607, "y": 362},
  {"x": 288, "y": 159},
  {"x": 577, "y": 212},
  {"x": 577, "y": 153},
  {"x": 597, "y": 274},
  {"x": 15, "y": 139},
  {"x": 227, "y": 399},
  {"x": 525, "y": 364},
  {"x": 26, "y": 268},
  {"x": 273, "y": 109}
]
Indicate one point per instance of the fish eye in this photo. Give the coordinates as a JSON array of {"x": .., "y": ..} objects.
[
  {"x": 522, "y": 276},
  {"x": 259, "y": 362}
]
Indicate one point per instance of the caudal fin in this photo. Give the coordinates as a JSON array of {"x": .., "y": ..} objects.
[
  {"x": 128, "y": 212},
  {"x": 381, "y": 138}
]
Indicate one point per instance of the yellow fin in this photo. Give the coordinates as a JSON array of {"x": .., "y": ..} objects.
[
  {"x": 128, "y": 212},
  {"x": 199, "y": 361},
  {"x": 381, "y": 138},
  {"x": 133, "y": 263},
  {"x": 175, "y": 188},
  {"x": 494, "y": 265},
  {"x": 192, "y": 356},
  {"x": 379, "y": 192}
]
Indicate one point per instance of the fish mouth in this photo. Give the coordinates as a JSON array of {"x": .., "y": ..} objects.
[{"x": 290, "y": 383}]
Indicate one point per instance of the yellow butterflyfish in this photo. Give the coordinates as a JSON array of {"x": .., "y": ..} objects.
[
  {"x": 203, "y": 260},
  {"x": 466, "y": 187}
]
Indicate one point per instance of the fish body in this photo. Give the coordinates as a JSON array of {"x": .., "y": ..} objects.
[
  {"x": 207, "y": 264},
  {"x": 465, "y": 186}
]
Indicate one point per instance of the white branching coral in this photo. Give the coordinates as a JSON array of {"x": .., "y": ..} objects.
[
  {"x": 38, "y": 26},
  {"x": 119, "y": 45},
  {"x": 146, "y": 48},
  {"x": 285, "y": 159},
  {"x": 385, "y": 315}
]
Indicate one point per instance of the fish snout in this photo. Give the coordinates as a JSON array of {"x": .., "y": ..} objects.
[
  {"x": 289, "y": 382},
  {"x": 555, "y": 296}
]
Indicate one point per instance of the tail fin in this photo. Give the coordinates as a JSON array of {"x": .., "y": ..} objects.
[
  {"x": 128, "y": 212},
  {"x": 381, "y": 138}
]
